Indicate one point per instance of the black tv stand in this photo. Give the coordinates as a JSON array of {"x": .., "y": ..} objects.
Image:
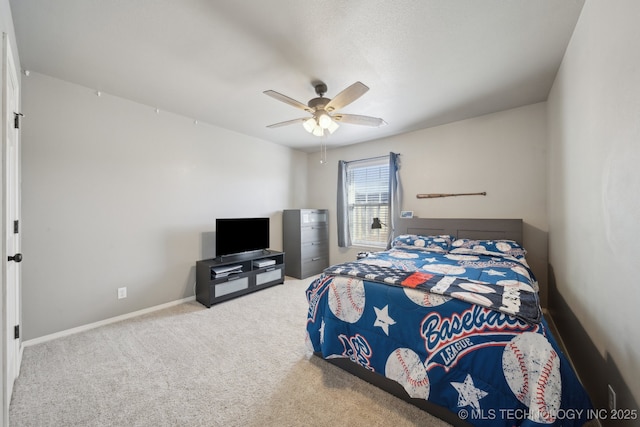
[{"x": 229, "y": 276}]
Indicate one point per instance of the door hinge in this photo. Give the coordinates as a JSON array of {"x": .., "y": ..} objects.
[
  {"x": 16, "y": 120},
  {"x": 16, "y": 226},
  {"x": 16, "y": 332}
]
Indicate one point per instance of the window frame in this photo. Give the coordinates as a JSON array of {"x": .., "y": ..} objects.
[{"x": 368, "y": 179}]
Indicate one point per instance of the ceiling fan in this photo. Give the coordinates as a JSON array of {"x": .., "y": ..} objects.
[{"x": 324, "y": 116}]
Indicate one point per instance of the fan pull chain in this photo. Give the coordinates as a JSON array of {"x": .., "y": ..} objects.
[{"x": 323, "y": 151}]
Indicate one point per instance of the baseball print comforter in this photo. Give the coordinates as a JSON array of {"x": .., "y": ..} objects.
[{"x": 455, "y": 322}]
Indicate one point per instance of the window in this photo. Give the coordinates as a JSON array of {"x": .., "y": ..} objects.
[
  {"x": 368, "y": 189},
  {"x": 367, "y": 185}
]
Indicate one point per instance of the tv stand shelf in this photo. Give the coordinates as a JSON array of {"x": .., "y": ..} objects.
[{"x": 250, "y": 275}]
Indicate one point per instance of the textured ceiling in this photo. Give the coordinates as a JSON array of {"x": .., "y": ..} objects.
[{"x": 426, "y": 62}]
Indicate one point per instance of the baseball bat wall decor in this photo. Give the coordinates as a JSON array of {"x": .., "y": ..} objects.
[{"x": 436, "y": 195}]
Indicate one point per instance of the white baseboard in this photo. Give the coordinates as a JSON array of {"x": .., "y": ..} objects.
[{"x": 89, "y": 326}]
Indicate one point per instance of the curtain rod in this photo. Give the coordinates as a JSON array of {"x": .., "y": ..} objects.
[{"x": 370, "y": 158}]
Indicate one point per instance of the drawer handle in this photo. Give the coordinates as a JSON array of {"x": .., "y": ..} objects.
[
  {"x": 316, "y": 259},
  {"x": 270, "y": 269},
  {"x": 233, "y": 278}
]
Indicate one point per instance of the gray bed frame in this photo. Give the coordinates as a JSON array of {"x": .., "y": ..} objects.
[{"x": 461, "y": 228}]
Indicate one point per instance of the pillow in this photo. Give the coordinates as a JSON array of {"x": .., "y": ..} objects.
[
  {"x": 426, "y": 243},
  {"x": 488, "y": 247}
]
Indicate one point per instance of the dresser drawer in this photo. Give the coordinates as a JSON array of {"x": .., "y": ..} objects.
[
  {"x": 314, "y": 217},
  {"x": 314, "y": 266},
  {"x": 313, "y": 233},
  {"x": 314, "y": 249}
]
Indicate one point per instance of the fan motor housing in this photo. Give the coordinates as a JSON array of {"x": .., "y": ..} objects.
[{"x": 318, "y": 103}]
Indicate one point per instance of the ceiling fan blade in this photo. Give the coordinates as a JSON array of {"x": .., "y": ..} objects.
[
  {"x": 355, "y": 119},
  {"x": 347, "y": 96},
  {"x": 288, "y": 122},
  {"x": 287, "y": 100}
]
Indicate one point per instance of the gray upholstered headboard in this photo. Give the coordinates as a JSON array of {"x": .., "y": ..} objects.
[{"x": 462, "y": 228}]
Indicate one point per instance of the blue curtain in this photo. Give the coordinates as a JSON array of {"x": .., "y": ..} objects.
[
  {"x": 344, "y": 237},
  {"x": 395, "y": 194}
]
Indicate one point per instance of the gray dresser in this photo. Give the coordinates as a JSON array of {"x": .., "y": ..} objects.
[{"x": 305, "y": 241}]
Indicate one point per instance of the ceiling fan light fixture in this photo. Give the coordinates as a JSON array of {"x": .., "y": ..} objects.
[
  {"x": 309, "y": 124},
  {"x": 324, "y": 120},
  {"x": 333, "y": 126},
  {"x": 318, "y": 131}
]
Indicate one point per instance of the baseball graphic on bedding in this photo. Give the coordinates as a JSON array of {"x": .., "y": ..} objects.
[
  {"x": 532, "y": 370},
  {"x": 346, "y": 298}
]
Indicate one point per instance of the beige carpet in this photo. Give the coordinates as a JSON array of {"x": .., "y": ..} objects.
[{"x": 243, "y": 362}]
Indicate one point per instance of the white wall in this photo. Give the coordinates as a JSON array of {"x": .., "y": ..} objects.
[
  {"x": 116, "y": 195},
  {"x": 503, "y": 154},
  {"x": 594, "y": 201}
]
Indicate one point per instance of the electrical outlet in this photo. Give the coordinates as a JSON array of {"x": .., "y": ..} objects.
[
  {"x": 612, "y": 398},
  {"x": 122, "y": 293}
]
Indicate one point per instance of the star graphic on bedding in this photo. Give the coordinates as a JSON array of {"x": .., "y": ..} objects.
[
  {"x": 383, "y": 319},
  {"x": 468, "y": 394},
  {"x": 430, "y": 259},
  {"x": 493, "y": 272}
]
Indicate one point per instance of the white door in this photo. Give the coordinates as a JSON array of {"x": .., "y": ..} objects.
[{"x": 11, "y": 213}]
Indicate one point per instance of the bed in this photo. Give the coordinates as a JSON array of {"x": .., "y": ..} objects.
[{"x": 448, "y": 319}]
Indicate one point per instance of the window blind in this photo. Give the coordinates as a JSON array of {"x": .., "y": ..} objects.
[{"x": 368, "y": 198}]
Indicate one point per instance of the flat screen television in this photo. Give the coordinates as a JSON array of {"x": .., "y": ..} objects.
[{"x": 237, "y": 235}]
